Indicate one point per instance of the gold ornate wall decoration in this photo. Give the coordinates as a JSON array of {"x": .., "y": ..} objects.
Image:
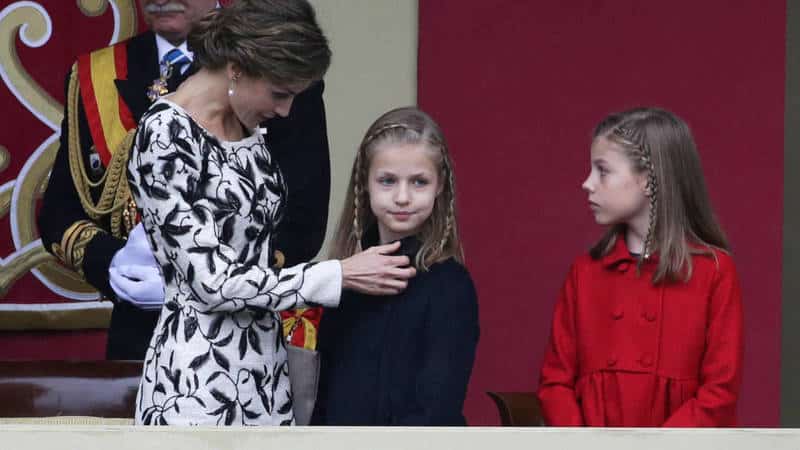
[
  {"x": 124, "y": 15},
  {"x": 5, "y": 158},
  {"x": 31, "y": 22},
  {"x": 5, "y": 195}
]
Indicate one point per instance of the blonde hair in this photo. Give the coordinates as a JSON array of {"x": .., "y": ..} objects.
[
  {"x": 439, "y": 234},
  {"x": 682, "y": 223},
  {"x": 277, "y": 39}
]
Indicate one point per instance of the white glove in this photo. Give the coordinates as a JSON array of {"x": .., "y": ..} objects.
[
  {"x": 134, "y": 274},
  {"x": 136, "y": 251},
  {"x": 141, "y": 286}
]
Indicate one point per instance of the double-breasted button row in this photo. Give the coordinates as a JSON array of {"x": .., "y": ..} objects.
[
  {"x": 618, "y": 313},
  {"x": 646, "y": 360}
]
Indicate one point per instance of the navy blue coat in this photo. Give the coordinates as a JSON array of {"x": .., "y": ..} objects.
[{"x": 400, "y": 360}]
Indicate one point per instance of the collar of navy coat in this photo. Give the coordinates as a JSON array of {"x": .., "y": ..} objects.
[{"x": 409, "y": 246}]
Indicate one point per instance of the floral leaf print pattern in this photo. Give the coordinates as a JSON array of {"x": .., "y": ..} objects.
[{"x": 209, "y": 208}]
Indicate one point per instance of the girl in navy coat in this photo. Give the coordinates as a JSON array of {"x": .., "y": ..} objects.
[{"x": 405, "y": 359}]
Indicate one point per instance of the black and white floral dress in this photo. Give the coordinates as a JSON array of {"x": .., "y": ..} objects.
[{"x": 209, "y": 208}]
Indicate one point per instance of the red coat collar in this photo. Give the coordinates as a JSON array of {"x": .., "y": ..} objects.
[{"x": 620, "y": 254}]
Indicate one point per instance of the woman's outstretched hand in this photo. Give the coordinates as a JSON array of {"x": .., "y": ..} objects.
[{"x": 375, "y": 272}]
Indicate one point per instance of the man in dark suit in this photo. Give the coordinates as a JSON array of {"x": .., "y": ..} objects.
[{"x": 87, "y": 212}]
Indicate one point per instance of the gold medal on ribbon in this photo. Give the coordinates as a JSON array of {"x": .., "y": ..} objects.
[{"x": 159, "y": 86}]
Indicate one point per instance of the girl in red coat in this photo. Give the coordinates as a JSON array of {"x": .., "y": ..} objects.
[{"x": 647, "y": 330}]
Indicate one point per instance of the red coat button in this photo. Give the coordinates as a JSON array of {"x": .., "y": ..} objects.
[
  {"x": 612, "y": 361},
  {"x": 618, "y": 313},
  {"x": 646, "y": 360},
  {"x": 650, "y": 316}
]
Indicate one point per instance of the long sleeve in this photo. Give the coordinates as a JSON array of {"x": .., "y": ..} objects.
[
  {"x": 559, "y": 370},
  {"x": 714, "y": 404},
  {"x": 209, "y": 212},
  {"x": 451, "y": 337},
  {"x": 61, "y": 210},
  {"x": 299, "y": 144}
]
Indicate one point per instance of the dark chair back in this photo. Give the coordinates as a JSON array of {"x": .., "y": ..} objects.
[{"x": 518, "y": 409}]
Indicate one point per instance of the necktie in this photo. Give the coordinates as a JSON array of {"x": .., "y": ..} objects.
[
  {"x": 175, "y": 63},
  {"x": 176, "y": 59}
]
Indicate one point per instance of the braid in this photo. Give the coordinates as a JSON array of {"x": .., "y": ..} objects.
[
  {"x": 357, "y": 191},
  {"x": 642, "y": 152},
  {"x": 652, "y": 191},
  {"x": 451, "y": 206},
  {"x": 383, "y": 129}
]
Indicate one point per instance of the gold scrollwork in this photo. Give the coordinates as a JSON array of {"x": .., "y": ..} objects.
[
  {"x": 33, "y": 25},
  {"x": 93, "y": 8},
  {"x": 5, "y": 193},
  {"x": 127, "y": 14},
  {"x": 20, "y": 265},
  {"x": 5, "y": 158}
]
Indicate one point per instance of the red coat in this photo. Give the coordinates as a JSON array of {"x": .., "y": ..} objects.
[{"x": 624, "y": 352}]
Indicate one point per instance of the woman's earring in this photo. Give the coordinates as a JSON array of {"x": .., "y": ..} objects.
[{"x": 231, "y": 87}]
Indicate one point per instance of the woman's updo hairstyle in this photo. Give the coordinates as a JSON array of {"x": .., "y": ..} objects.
[{"x": 277, "y": 39}]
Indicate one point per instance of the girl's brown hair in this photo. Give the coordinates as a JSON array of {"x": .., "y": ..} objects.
[
  {"x": 682, "y": 222},
  {"x": 439, "y": 234},
  {"x": 277, "y": 39}
]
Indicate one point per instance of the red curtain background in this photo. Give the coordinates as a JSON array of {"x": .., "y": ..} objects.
[{"x": 518, "y": 87}]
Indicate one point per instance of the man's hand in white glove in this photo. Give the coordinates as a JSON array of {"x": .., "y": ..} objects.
[{"x": 134, "y": 274}]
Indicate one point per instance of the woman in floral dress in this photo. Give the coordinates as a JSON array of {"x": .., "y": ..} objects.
[{"x": 210, "y": 196}]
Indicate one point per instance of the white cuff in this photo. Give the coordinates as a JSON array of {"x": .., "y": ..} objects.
[{"x": 323, "y": 283}]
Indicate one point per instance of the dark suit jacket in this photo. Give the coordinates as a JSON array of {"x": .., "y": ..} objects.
[
  {"x": 400, "y": 360},
  {"x": 299, "y": 143}
]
